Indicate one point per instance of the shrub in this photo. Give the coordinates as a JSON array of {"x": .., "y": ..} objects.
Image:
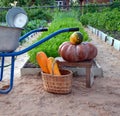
[
  {"x": 107, "y": 20},
  {"x": 37, "y": 13}
]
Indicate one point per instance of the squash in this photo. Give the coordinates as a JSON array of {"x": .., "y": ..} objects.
[
  {"x": 41, "y": 58},
  {"x": 53, "y": 66},
  {"x": 76, "y": 38},
  {"x": 75, "y": 53}
]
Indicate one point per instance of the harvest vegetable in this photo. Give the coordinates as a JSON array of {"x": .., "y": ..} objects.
[
  {"x": 53, "y": 66},
  {"x": 76, "y": 38},
  {"x": 41, "y": 58},
  {"x": 75, "y": 53}
]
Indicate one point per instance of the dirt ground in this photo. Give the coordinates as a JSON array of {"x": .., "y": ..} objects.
[{"x": 28, "y": 97}]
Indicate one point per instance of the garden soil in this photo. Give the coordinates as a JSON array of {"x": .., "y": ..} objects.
[{"x": 28, "y": 97}]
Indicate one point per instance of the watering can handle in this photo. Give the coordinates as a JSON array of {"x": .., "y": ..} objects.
[{"x": 74, "y": 29}]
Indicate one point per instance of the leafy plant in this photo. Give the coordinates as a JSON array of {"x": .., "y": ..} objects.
[
  {"x": 34, "y": 24},
  {"x": 38, "y": 13},
  {"x": 2, "y": 16},
  {"x": 84, "y": 19},
  {"x": 108, "y": 20},
  {"x": 50, "y": 47}
]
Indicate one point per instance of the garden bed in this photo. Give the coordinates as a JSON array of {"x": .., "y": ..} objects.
[
  {"x": 30, "y": 68},
  {"x": 114, "y": 34},
  {"x": 107, "y": 38}
]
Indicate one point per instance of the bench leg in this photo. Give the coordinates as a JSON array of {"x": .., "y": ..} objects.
[{"x": 89, "y": 78}]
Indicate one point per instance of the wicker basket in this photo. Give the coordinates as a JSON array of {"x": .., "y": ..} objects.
[{"x": 58, "y": 84}]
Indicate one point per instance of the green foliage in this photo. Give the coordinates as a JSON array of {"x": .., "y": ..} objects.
[
  {"x": 34, "y": 24},
  {"x": 2, "y": 15},
  {"x": 84, "y": 19},
  {"x": 38, "y": 13},
  {"x": 46, "y": 2},
  {"x": 91, "y": 8},
  {"x": 27, "y": 2},
  {"x": 106, "y": 20},
  {"x": 95, "y": 7},
  {"x": 50, "y": 47},
  {"x": 115, "y": 4},
  {"x": 5, "y": 2},
  {"x": 113, "y": 20},
  {"x": 37, "y": 18}
]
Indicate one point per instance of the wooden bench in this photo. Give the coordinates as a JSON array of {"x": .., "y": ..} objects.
[{"x": 85, "y": 64}]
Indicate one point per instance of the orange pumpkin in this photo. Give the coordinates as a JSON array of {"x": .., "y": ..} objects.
[{"x": 75, "y": 53}]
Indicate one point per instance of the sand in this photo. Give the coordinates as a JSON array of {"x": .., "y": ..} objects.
[{"x": 28, "y": 97}]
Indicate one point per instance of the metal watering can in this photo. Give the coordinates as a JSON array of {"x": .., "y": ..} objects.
[
  {"x": 9, "y": 41},
  {"x": 16, "y": 17}
]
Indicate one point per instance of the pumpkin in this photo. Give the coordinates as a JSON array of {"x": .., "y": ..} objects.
[
  {"x": 75, "y": 53},
  {"x": 76, "y": 38},
  {"x": 53, "y": 66},
  {"x": 41, "y": 58}
]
